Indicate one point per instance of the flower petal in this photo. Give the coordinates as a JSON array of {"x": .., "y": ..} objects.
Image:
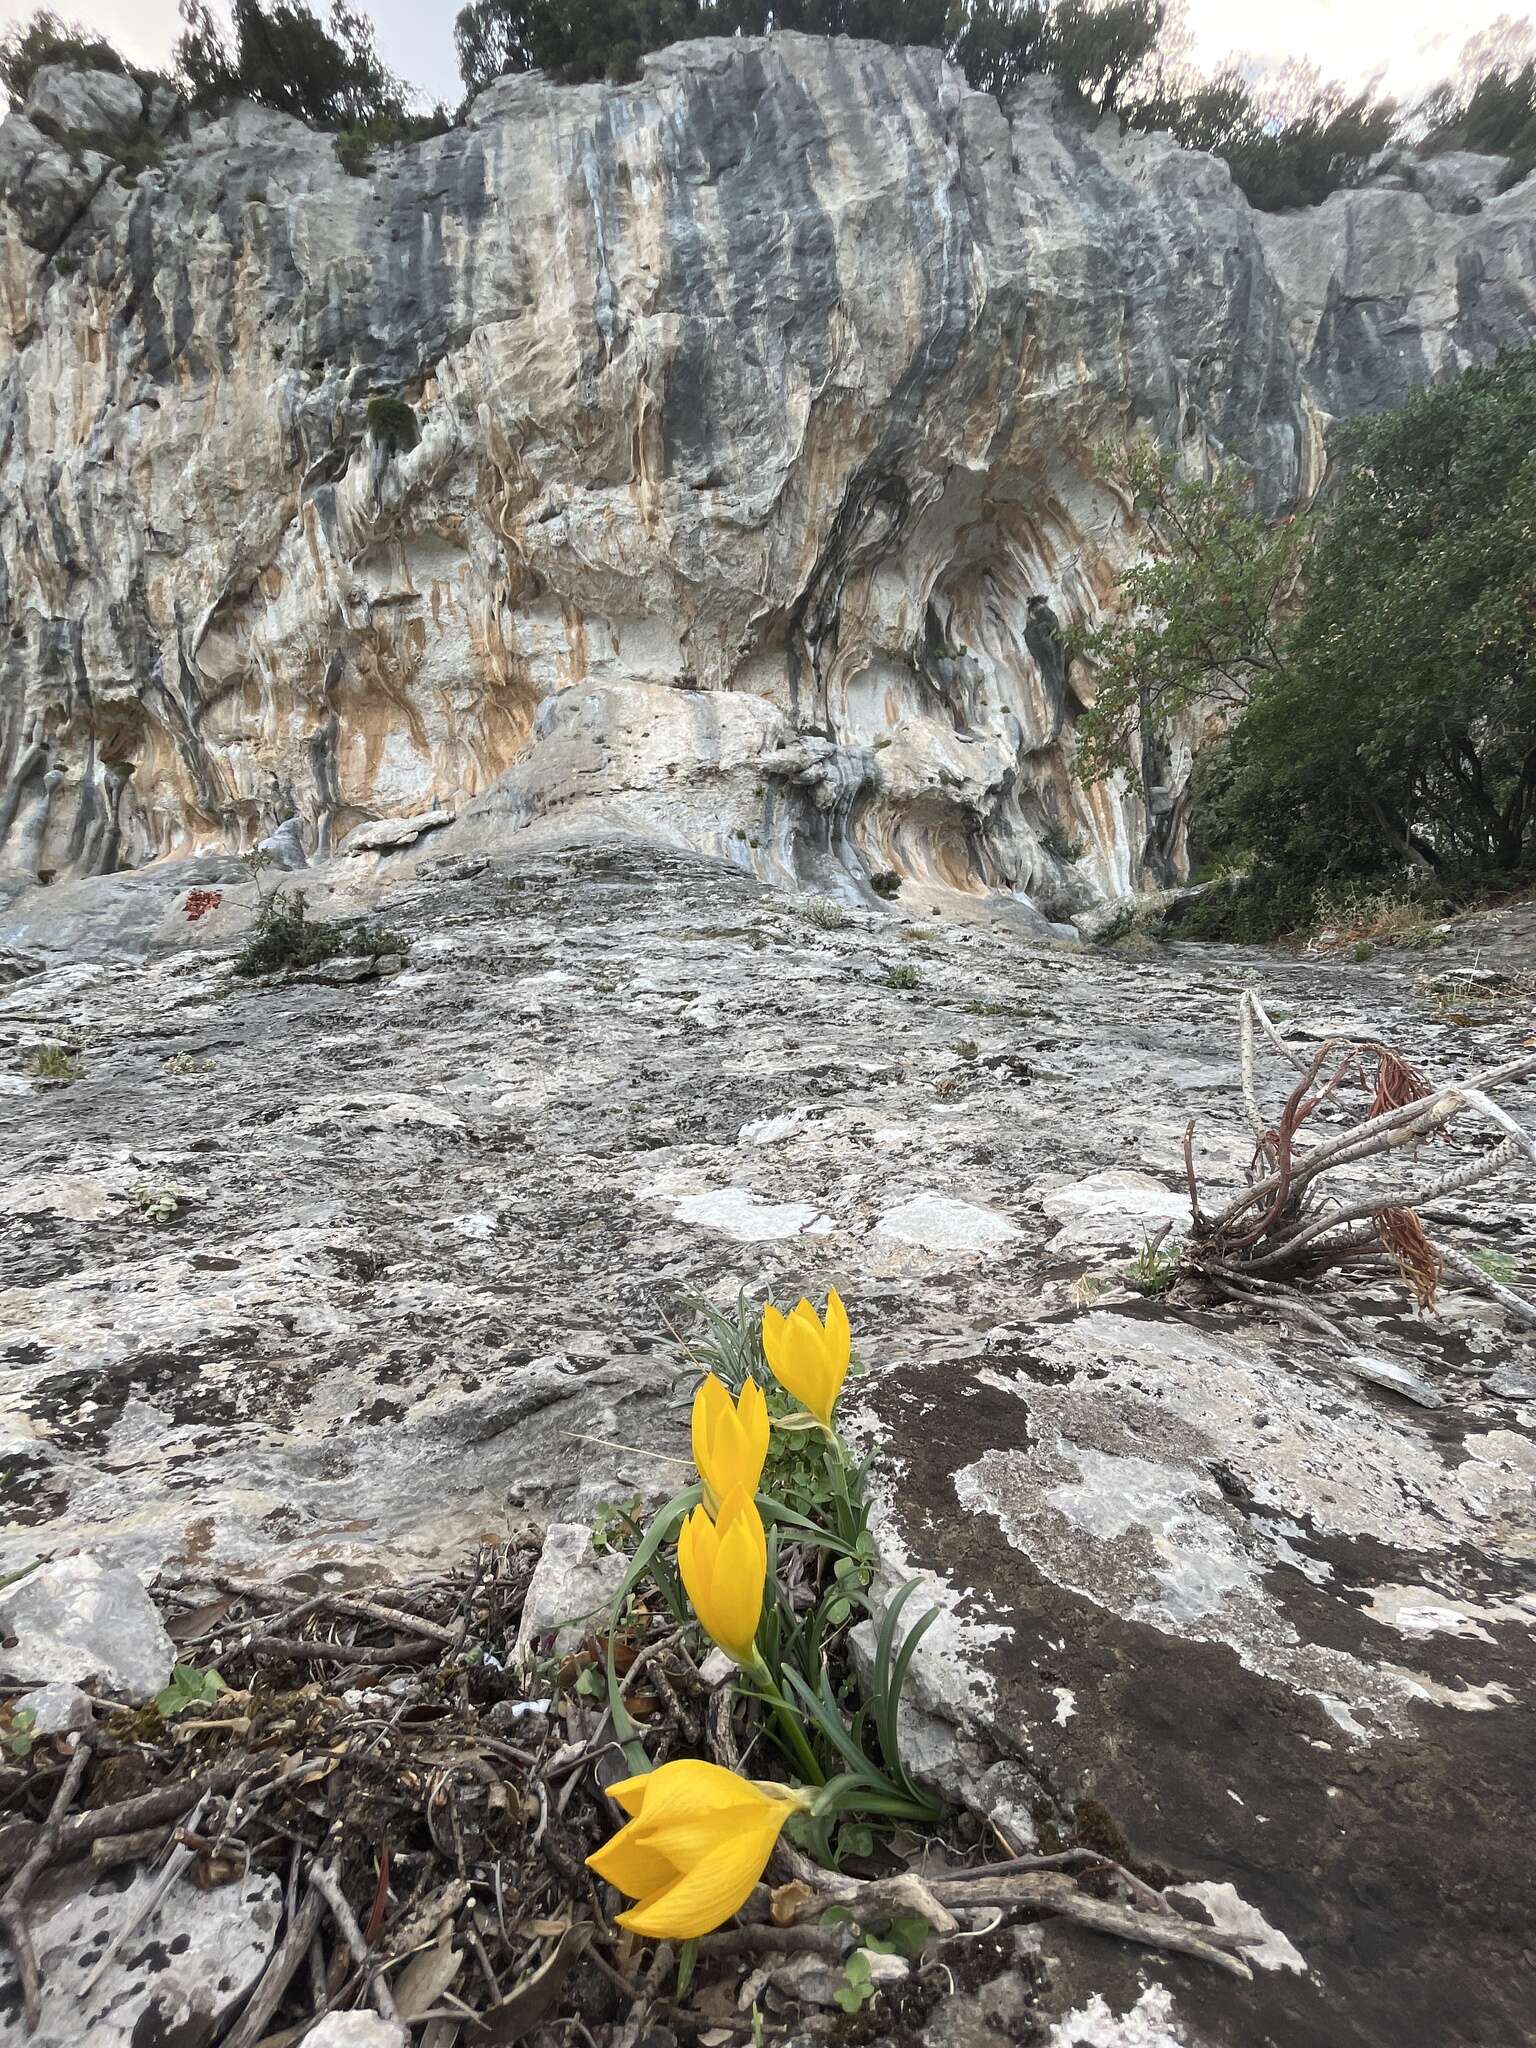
[
  {"x": 798, "y": 1359},
  {"x": 717, "y": 1886},
  {"x": 839, "y": 1335},
  {"x": 633, "y": 1865}
]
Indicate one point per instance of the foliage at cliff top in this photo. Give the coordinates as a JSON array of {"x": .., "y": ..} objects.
[
  {"x": 1289, "y": 141},
  {"x": 1384, "y": 717}
]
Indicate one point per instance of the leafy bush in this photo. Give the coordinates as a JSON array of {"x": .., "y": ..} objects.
[
  {"x": 284, "y": 57},
  {"x": 393, "y": 424},
  {"x": 286, "y": 937},
  {"x": 28, "y": 47}
]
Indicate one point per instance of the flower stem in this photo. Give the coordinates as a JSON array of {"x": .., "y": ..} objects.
[{"x": 789, "y": 1721}]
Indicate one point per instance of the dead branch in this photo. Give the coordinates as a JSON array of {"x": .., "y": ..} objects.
[{"x": 1287, "y": 1228}]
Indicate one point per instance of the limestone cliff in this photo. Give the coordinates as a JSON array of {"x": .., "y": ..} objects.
[{"x": 750, "y": 407}]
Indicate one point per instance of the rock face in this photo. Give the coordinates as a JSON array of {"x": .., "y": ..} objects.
[
  {"x": 1276, "y": 1620},
  {"x": 711, "y": 455}
]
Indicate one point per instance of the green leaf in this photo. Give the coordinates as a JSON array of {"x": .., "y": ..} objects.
[
  {"x": 857, "y": 1967},
  {"x": 665, "y": 1521},
  {"x": 910, "y": 1935},
  {"x": 854, "y": 1839},
  {"x": 189, "y": 1687},
  {"x": 687, "y": 1957}
]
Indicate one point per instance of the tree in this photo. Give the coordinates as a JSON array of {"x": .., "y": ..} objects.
[
  {"x": 27, "y": 47},
  {"x": 1416, "y": 647},
  {"x": 1202, "y": 616},
  {"x": 283, "y": 56}
]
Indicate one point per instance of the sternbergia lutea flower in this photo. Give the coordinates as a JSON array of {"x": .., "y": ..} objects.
[
  {"x": 808, "y": 1356},
  {"x": 723, "y": 1565},
  {"x": 697, "y": 1841},
  {"x": 730, "y": 1441}
]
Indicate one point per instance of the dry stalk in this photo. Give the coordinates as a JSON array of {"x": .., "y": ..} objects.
[{"x": 1288, "y": 1227}]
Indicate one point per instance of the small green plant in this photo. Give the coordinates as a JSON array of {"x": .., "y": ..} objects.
[
  {"x": 1155, "y": 1268},
  {"x": 824, "y": 913},
  {"x": 55, "y": 1063},
  {"x": 903, "y": 975},
  {"x": 393, "y": 424},
  {"x": 1056, "y": 842},
  {"x": 856, "y": 1990},
  {"x": 1363, "y": 951},
  {"x": 286, "y": 937},
  {"x": 182, "y": 1065},
  {"x": 1497, "y": 1265},
  {"x": 188, "y": 1688},
  {"x": 21, "y": 1737},
  {"x": 887, "y": 883},
  {"x": 966, "y": 1048},
  {"x": 156, "y": 1203}
]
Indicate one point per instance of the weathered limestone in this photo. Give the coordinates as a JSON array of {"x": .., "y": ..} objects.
[
  {"x": 1275, "y": 1619},
  {"x": 754, "y": 488}
]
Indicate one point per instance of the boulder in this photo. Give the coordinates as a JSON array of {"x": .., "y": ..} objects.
[
  {"x": 77, "y": 1619},
  {"x": 105, "y": 103}
]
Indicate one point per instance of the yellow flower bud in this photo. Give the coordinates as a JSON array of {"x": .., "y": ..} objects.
[
  {"x": 729, "y": 1443},
  {"x": 724, "y": 1565},
  {"x": 809, "y": 1357}
]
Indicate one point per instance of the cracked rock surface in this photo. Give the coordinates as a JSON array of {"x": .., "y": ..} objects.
[{"x": 427, "y": 1232}]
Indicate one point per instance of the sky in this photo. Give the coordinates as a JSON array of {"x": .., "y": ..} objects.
[{"x": 1412, "y": 43}]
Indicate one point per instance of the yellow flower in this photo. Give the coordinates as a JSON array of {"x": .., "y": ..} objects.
[
  {"x": 729, "y": 1444},
  {"x": 697, "y": 1840},
  {"x": 724, "y": 1564},
  {"x": 809, "y": 1357}
]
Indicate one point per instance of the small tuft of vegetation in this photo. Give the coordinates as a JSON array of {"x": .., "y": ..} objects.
[
  {"x": 393, "y": 424},
  {"x": 904, "y": 975},
  {"x": 823, "y": 912},
  {"x": 1155, "y": 1268},
  {"x": 886, "y": 884},
  {"x": 1056, "y": 842},
  {"x": 183, "y": 1066},
  {"x": 287, "y": 938},
  {"x": 55, "y": 1063}
]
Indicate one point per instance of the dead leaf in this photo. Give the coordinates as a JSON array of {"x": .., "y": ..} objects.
[
  {"x": 422, "y": 1982},
  {"x": 197, "y": 1620},
  {"x": 787, "y": 1900},
  {"x": 534, "y": 1999}
]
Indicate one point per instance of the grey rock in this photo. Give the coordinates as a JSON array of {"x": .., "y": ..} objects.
[
  {"x": 1177, "y": 1553},
  {"x": 1514, "y": 1386},
  {"x": 387, "y": 833},
  {"x": 284, "y": 848},
  {"x": 104, "y": 101},
  {"x": 176, "y": 1978},
  {"x": 356, "y": 2030},
  {"x": 77, "y": 1618},
  {"x": 56, "y": 1709},
  {"x": 572, "y": 1586}
]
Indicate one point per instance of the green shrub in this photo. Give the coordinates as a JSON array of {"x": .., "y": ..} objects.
[
  {"x": 27, "y": 48},
  {"x": 286, "y": 937},
  {"x": 1056, "y": 842},
  {"x": 393, "y": 424},
  {"x": 887, "y": 884},
  {"x": 55, "y": 1063}
]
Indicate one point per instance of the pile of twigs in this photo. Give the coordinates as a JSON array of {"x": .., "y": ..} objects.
[
  {"x": 428, "y": 1809},
  {"x": 1294, "y": 1221}
]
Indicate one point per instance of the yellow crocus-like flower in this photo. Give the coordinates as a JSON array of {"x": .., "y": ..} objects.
[
  {"x": 724, "y": 1564},
  {"x": 809, "y": 1357},
  {"x": 697, "y": 1840},
  {"x": 729, "y": 1443}
]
